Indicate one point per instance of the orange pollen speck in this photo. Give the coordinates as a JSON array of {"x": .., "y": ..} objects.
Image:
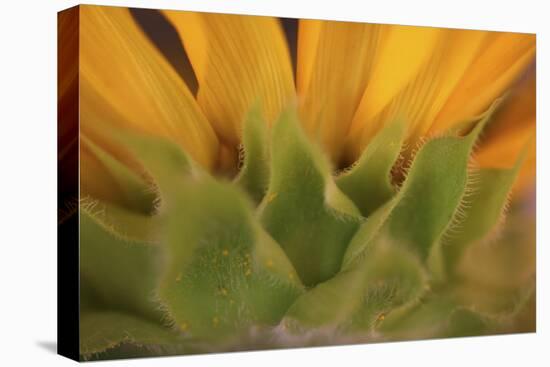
[{"x": 271, "y": 197}]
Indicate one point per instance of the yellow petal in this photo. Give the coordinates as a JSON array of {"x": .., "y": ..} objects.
[
  {"x": 334, "y": 64},
  {"x": 308, "y": 39},
  {"x": 423, "y": 97},
  {"x": 504, "y": 58},
  {"x": 122, "y": 72},
  {"x": 452, "y": 69},
  {"x": 513, "y": 127},
  {"x": 238, "y": 60},
  {"x": 517, "y": 108},
  {"x": 456, "y": 52},
  {"x": 402, "y": 53},
  {"x": 503, "y": 153}
]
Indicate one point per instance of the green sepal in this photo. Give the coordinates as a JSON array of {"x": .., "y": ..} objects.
[
  {"x": 121, "y": 274},
  {"x": 487, "y": 203},
  {"x": 436, "y": 316},
  {"x": 498, "y": 276},
  {"x": 466, "y": 322},
  {"x": 304, "y": 210},
  {"x": 223, "y": 274},
  {"x": 122, "y": 223},
  {"x": 428, "y": 201},
  {"x": 136, "y": 192},
  {"x": 431, "y": 194},
  {"x": 389, "y": 276},
  {"x": 367, "y": 233},
  {"x": 368, "y": 182},
  {"x": 102, "y": 331},
  {"x": 166, "y": 162},
  {"x": 395, "y": 277},
  {"x": 254, "y": 173}
]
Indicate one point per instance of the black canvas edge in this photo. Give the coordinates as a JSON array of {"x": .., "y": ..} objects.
[{"x": 68, "y": 139}]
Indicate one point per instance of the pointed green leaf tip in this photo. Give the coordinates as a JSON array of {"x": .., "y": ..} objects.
[
  {"x": 482, "y": 215},
  {"x": 356, "y": 298},
  {"x": 431, "y": 194},
  {"x": 368, "y": 182},
  {"x": 126, "y": 225},
  {"x": 254, "y": 173},
  {"x": 223, "y": 274},
  {"x": 412, "y": 222},
  {"x": 429, "y": 200},
  {"x": 117, "y": 286},
  {"x": 121, "y": 273},
  {"x": 304, "y": 210},
  {"x": 136, "y": 193},
  {"x": 163, "y": 160}
]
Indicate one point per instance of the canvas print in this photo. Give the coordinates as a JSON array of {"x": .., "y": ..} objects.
[{"x": 239, "y": 182}]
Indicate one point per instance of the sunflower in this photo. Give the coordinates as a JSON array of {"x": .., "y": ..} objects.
[{"x": 310, "y": 151}]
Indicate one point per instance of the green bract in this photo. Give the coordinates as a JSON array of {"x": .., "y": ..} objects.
[{"x": 290, "y": 253}]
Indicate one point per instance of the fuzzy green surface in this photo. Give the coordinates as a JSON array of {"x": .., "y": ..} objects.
[{"x": 289, "y": 252}]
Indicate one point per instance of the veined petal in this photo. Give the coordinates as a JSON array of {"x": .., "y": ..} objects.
[
  {"x": 308, "y": 39},
  {"x": 334, "y": 63},
  {"x": 403, "y": 52},
  {"x": 423, "y": 97},
  {"x": 123, "y": 73},
  {"x": 504, "y": 57},
  {"x": 452, "y": 69},
  {"x": 455, "y": 53},
  {"x": 238, "y": 60}
]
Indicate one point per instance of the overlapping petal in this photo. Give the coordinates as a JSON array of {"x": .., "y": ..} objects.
[
  {"x": 126, "y": 82},
  {"x": 335, "y": 61},
  {"x": 502, "y": 59},
  {"x": 401, "y": 59},
  {"x": 351, "y": 80},
  {"x": 238, "y": 61},
  {"x": 435, "y": 78}
]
